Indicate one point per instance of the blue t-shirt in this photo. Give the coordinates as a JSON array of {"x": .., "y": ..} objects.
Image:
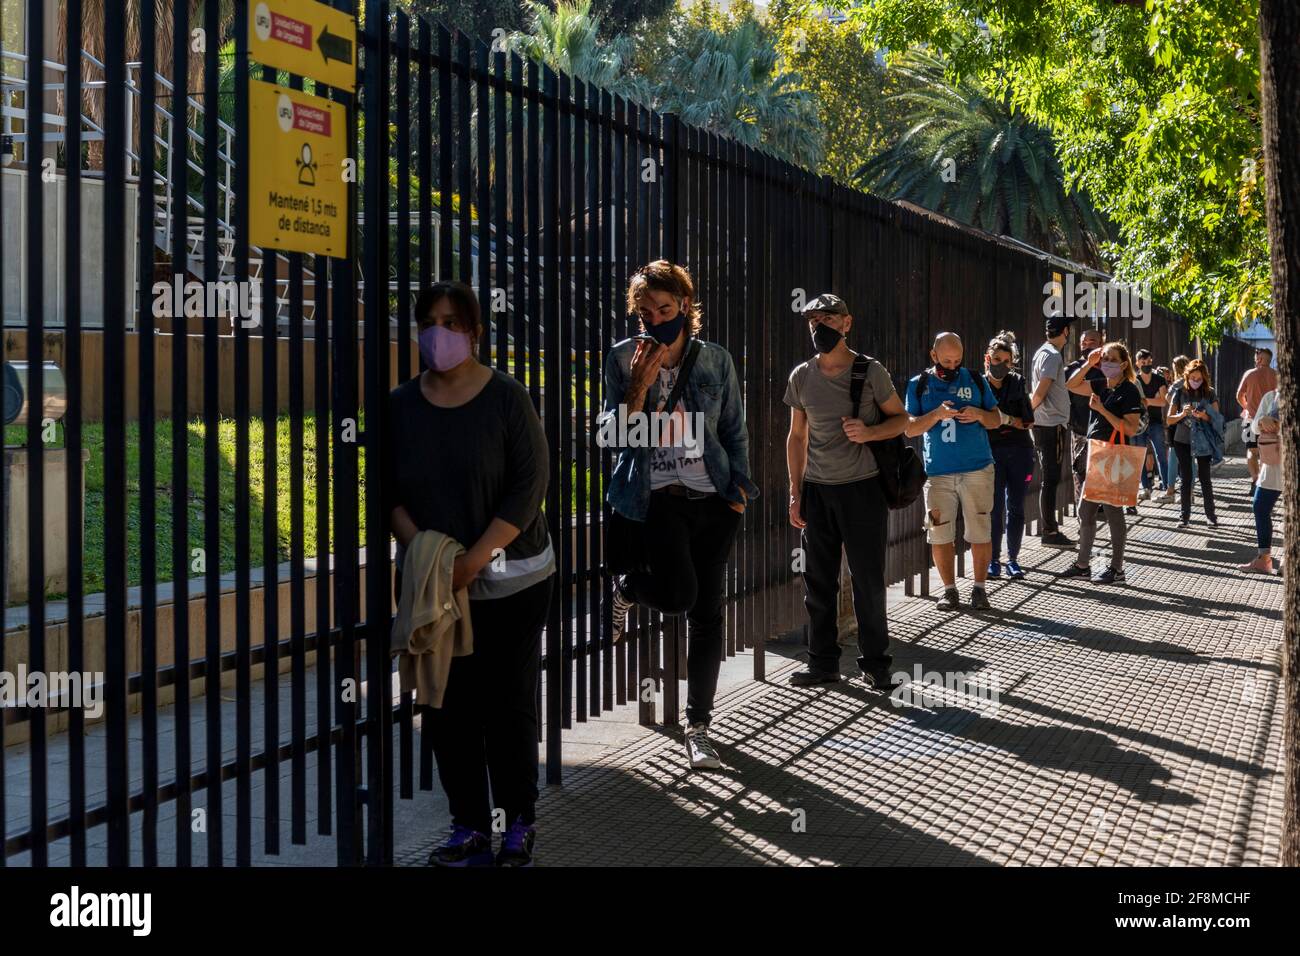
[{"x": 952, "y": 446}]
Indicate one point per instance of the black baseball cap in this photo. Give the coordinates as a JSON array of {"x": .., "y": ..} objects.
[
  {"x": 1057, "y": 324},
  {"x": 826, "y": 302}
]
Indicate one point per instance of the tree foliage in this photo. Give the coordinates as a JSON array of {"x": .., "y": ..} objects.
[
  {"x": 1155, "y": 111},
  {"x": 966, "y": 153},
  {"x": 847, "y": 81}
]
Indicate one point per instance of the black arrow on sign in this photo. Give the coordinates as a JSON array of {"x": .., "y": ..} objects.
[{"x": 335, "y": 47}]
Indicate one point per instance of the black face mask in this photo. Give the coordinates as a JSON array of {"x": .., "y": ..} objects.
[
  {"x": 998, "y": 370},
  {"x": 947, "y": 374},
  {"x": 825, "y": 338},
  {"x": 1147, "y": 369},
  {"x": 666, "y": 332}
]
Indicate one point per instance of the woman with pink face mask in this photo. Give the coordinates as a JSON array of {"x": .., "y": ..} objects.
[
  {"x": 1193, "y": 403},
  {"x": 466, "y": 455}
]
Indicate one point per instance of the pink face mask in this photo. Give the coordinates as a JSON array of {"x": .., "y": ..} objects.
[
  {"x": 1196, "y": 381},
  {"x": 443, "y": 348}
]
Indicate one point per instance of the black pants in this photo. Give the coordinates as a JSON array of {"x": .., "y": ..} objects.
[
  {"x": 1184, "y": 453},
  {"x": 1051, "y": 442},
  {"x": 487, "y": 725},
  {"x": 1079, "y": 464},
  {"x": 688, "y": 544},
  {"x": 854, "y": 517}
]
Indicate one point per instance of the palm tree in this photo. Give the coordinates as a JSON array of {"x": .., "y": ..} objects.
[
  {"x": 567, "y": 40},
  {"x": 92, "y": 42},
  {"x": 967, "y": 154},
  {"x": 728, "y": 79}
]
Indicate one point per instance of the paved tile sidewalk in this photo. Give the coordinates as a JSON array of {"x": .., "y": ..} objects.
[{"x": 1134, "y": 725}]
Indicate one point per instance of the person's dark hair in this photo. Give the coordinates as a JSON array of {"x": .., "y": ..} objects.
[
  {"x": 462, "y": 297},
  {"x": 1005, "y": 341},
  {"x": 1267, "y": 351},
  {"x": 1143, "y": 354},
  {"x": 664, "y": 276}
]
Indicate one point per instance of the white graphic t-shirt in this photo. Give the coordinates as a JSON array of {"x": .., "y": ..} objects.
[{"x": 675, "y": 463}]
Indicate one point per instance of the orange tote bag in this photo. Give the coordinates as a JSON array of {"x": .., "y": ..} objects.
[{"x": 1114, "y": 472}]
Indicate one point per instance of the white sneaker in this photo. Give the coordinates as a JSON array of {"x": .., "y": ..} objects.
[
  {"x": 1144, "y": 494},
  {"x": 699, "y": 749},
  {"x": 619, "y": 608}
]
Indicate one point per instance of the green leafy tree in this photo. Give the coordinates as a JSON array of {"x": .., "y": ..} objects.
[
  {"x": 1155, "y": 113},
  {"x": 723, "y": 72},
  {"x": 568, "y": 39},
  {"x": 847, "y": 80},
  {"x": 967, "y": 154}
]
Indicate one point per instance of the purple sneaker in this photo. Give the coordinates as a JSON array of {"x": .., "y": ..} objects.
[
  {"x": 517, "y": 845},
  {"x": 465, "y": 847}
]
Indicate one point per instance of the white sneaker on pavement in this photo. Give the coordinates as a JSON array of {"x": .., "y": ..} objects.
[{"x": 699, "y": 749}]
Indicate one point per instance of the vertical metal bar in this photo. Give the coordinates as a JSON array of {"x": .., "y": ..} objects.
[
  {"x": 399, "y": 159},
  {"x": 605, "y": 262},
  {"x": 549, "y": 221},
  {"x": 322, "y": 322},
  {"x": 297, "y": 559},
  {"x": 344, "y": 434},
  {"x": 500, "y": 199},
  {"x": 379, "y": 740},
  {"x": 576, "y": 425},
  {"x": 212, "y": 449},
  {"x": 446, "y": 146},
  {"x": 562, "y": 266},
  {"x": 484, "y": 200},
  {"x": 593, "y": 318},
  {"x": 424, "y": 75},
  {"x": 180, "y": 435},
  {"x": 518, "y": 214},
  {"x": 243, "y": 530},
  {"x": 115, "y": 489},
  {"x": 114, "y": 483},
  {"x": 72, "y": 445},
  {"x": 625, "y": 658},
  {"x": 464, "y": 164},
  {"x": 536, "y": 223}
]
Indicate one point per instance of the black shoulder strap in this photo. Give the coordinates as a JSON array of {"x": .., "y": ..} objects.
[
  {"x": 692, "y": 350},
  {"x": 922, "y": 383},
  {"x": 858, "y": 378}
]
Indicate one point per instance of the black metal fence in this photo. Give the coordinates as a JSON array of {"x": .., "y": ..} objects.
[{"x": 544, "y": 193}]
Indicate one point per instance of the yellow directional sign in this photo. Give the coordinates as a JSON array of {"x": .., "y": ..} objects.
[
  {"x": 298, "y": 199},
  {"x": 307, "y": 38}
]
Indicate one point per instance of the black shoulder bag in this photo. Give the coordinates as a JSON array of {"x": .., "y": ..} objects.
[
  {"x": 625, "y": 549},
  {"x": 902, "y": 473}
]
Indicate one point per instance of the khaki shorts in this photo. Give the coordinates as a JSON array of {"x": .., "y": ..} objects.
[{"x": 973, "y": 491}]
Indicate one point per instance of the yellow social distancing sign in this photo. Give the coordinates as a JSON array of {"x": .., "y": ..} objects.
[
  {"x": 298, "y": 199},
  {"x": 307, "y": 38}
]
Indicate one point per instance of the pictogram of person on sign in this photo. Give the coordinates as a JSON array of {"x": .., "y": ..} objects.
[{"x": 306, "y": 167}]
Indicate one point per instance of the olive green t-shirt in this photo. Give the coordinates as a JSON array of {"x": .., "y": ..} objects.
[{"x": 832, "y": 458}]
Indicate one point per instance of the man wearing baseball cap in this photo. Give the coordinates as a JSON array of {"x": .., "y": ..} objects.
[
  {"x": 1051, "y": 404},
  {"x": 835, "y": 498}
]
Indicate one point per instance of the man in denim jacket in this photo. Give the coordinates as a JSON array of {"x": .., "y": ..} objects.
[{"x": 683, "y": 472}]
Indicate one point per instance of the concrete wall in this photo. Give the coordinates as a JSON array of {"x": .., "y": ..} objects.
[
  {"x": 55, "y": 487},
  {"x": 13, "y": 265}
]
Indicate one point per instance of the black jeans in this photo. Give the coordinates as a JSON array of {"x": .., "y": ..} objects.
[
  {"x": 1052, "y": 443},
  {"x": 1184, "y": 453},
  {"x": 688, "y": 543},
  {"x": 854, "y": 517},
  {"x": 487, "y": 725}
]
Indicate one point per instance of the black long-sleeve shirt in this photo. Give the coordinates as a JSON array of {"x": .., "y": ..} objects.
[{"x": 456, "y": 469}]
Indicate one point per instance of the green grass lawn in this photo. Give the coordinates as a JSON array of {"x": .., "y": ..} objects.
[{"x": 164, "y": 492}]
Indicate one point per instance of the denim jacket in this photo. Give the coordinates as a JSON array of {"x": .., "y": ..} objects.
[
  {"x": 712, "y": 389},
  {"x": 1207, "y": 437}
]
